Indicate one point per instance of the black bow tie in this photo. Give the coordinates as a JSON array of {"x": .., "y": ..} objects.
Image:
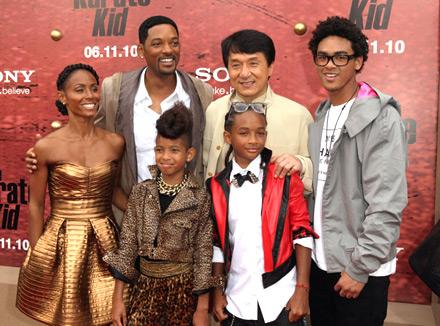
[{"x": 238, "y": 179}]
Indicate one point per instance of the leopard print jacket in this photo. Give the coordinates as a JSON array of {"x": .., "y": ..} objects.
[{"x": 184, "y": 232}]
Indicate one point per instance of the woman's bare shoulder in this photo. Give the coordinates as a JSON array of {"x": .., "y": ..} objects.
[
  {"x": 113, "y": 140},
  {"x": 51, "y": 141}
]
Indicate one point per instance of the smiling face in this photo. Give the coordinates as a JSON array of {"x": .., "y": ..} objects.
[
  {"x": 340, "y": 82},
  {"x": 249, "y": 74},
  {"x": 161, "y": 49},
  {"x": 81, "y": 94},
  {"x": 171, "y": 157},
  {"x": 247, "y": 136}
]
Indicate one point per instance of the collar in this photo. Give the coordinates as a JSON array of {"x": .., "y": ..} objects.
[
  {"x": 142, "y": 93},
  {"x": 224, "y": 175},
  {"x": 254, "y": 167},
  {"x": 192, "y": 182}
]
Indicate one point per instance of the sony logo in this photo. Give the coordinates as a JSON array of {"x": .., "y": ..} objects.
[
  {"x": 16, "y": 75},
  {"x": 219, "y": 74}
]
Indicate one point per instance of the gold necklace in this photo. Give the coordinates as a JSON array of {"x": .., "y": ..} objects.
[{"x": 170, "y": 190}]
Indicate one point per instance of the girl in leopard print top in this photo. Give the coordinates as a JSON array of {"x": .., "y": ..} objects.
[{"x": 166, "y": 240}]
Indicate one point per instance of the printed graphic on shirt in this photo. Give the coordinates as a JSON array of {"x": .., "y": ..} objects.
[{"x": 334, "y": 121}]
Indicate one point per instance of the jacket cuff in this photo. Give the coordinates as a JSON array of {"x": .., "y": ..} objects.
[
  {"x": 304, "y": 232},
  {"x": 218, "y": 281},
  {"x": 212, "y": 282},
  {"x": 200, "y": 292},
  {"x": 356, "y": 274},
  {"x": 117, "y": 275}
]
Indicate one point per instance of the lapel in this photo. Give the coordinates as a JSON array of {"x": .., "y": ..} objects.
[
  {"x": 151, "y": 212},
  {"x": 124, "y": 116},
  {"x": 184, "y": 199},
  {"x": 222, "y": 210}
]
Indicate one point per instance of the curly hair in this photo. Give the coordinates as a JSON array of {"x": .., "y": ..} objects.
[
  {"x": 64, "y": 76},
  {"x": 342, "y": 27},
  {"x": 175, "y": 123}
]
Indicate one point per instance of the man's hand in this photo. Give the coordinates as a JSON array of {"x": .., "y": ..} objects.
[
  {"x": 31, "y": 162},
  {"x": 219, "y": 304},
  {"x": 286, "y": 164},
  {"x": 298, "y": 304},
  {"x": 348, "y": 287}
]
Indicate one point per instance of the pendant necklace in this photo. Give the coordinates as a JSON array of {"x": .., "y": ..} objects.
[{"x": 328, "y": 147}]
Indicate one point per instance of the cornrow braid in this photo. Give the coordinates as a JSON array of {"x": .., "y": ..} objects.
[
  {"x": 228, "y": 154},
  {"x": 64, "y": 76},
  {"x": 229, "y": 122}
]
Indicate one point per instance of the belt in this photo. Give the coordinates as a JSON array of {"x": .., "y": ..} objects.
[{"x": 160, "y": 269}]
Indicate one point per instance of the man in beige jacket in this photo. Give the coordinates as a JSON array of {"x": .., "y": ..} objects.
[{"x": 249, "y": 57}]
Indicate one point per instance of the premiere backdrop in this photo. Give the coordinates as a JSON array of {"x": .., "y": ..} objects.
[{"x": 404, "y": 61}]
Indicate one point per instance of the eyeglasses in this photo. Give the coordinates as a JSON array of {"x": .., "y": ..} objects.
[
  {"x": 339, "y": 60},
  {"x": 241, "y": 107}
]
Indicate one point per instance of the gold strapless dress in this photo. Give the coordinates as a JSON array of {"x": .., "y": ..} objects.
[{"x": 64, "y": 281}]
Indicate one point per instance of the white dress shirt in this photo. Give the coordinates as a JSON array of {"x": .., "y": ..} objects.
[
  {"x": 144, "y": 123},
  {"x": 244, "y": 289},
  {"x": 334, "y": 121}
]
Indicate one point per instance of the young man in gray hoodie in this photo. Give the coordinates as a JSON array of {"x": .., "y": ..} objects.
[{"x": 358, "y": 146}]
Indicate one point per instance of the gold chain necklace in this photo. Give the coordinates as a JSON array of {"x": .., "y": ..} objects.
[{"x": 170, "y": 190}]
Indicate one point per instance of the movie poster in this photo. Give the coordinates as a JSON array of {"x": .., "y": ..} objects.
[{"x": 403, "y": 61}]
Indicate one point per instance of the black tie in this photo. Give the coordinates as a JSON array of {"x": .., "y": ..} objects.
[{"x": 239, "y": 179}]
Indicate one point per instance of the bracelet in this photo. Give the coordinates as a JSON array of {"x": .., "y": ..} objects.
[{"x": 303, "y": 286}]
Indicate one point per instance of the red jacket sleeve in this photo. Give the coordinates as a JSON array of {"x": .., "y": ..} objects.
[{"x": 298, "y": 215}]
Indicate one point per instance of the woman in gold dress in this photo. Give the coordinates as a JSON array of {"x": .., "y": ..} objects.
[{"x": 63, "y": 280}]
